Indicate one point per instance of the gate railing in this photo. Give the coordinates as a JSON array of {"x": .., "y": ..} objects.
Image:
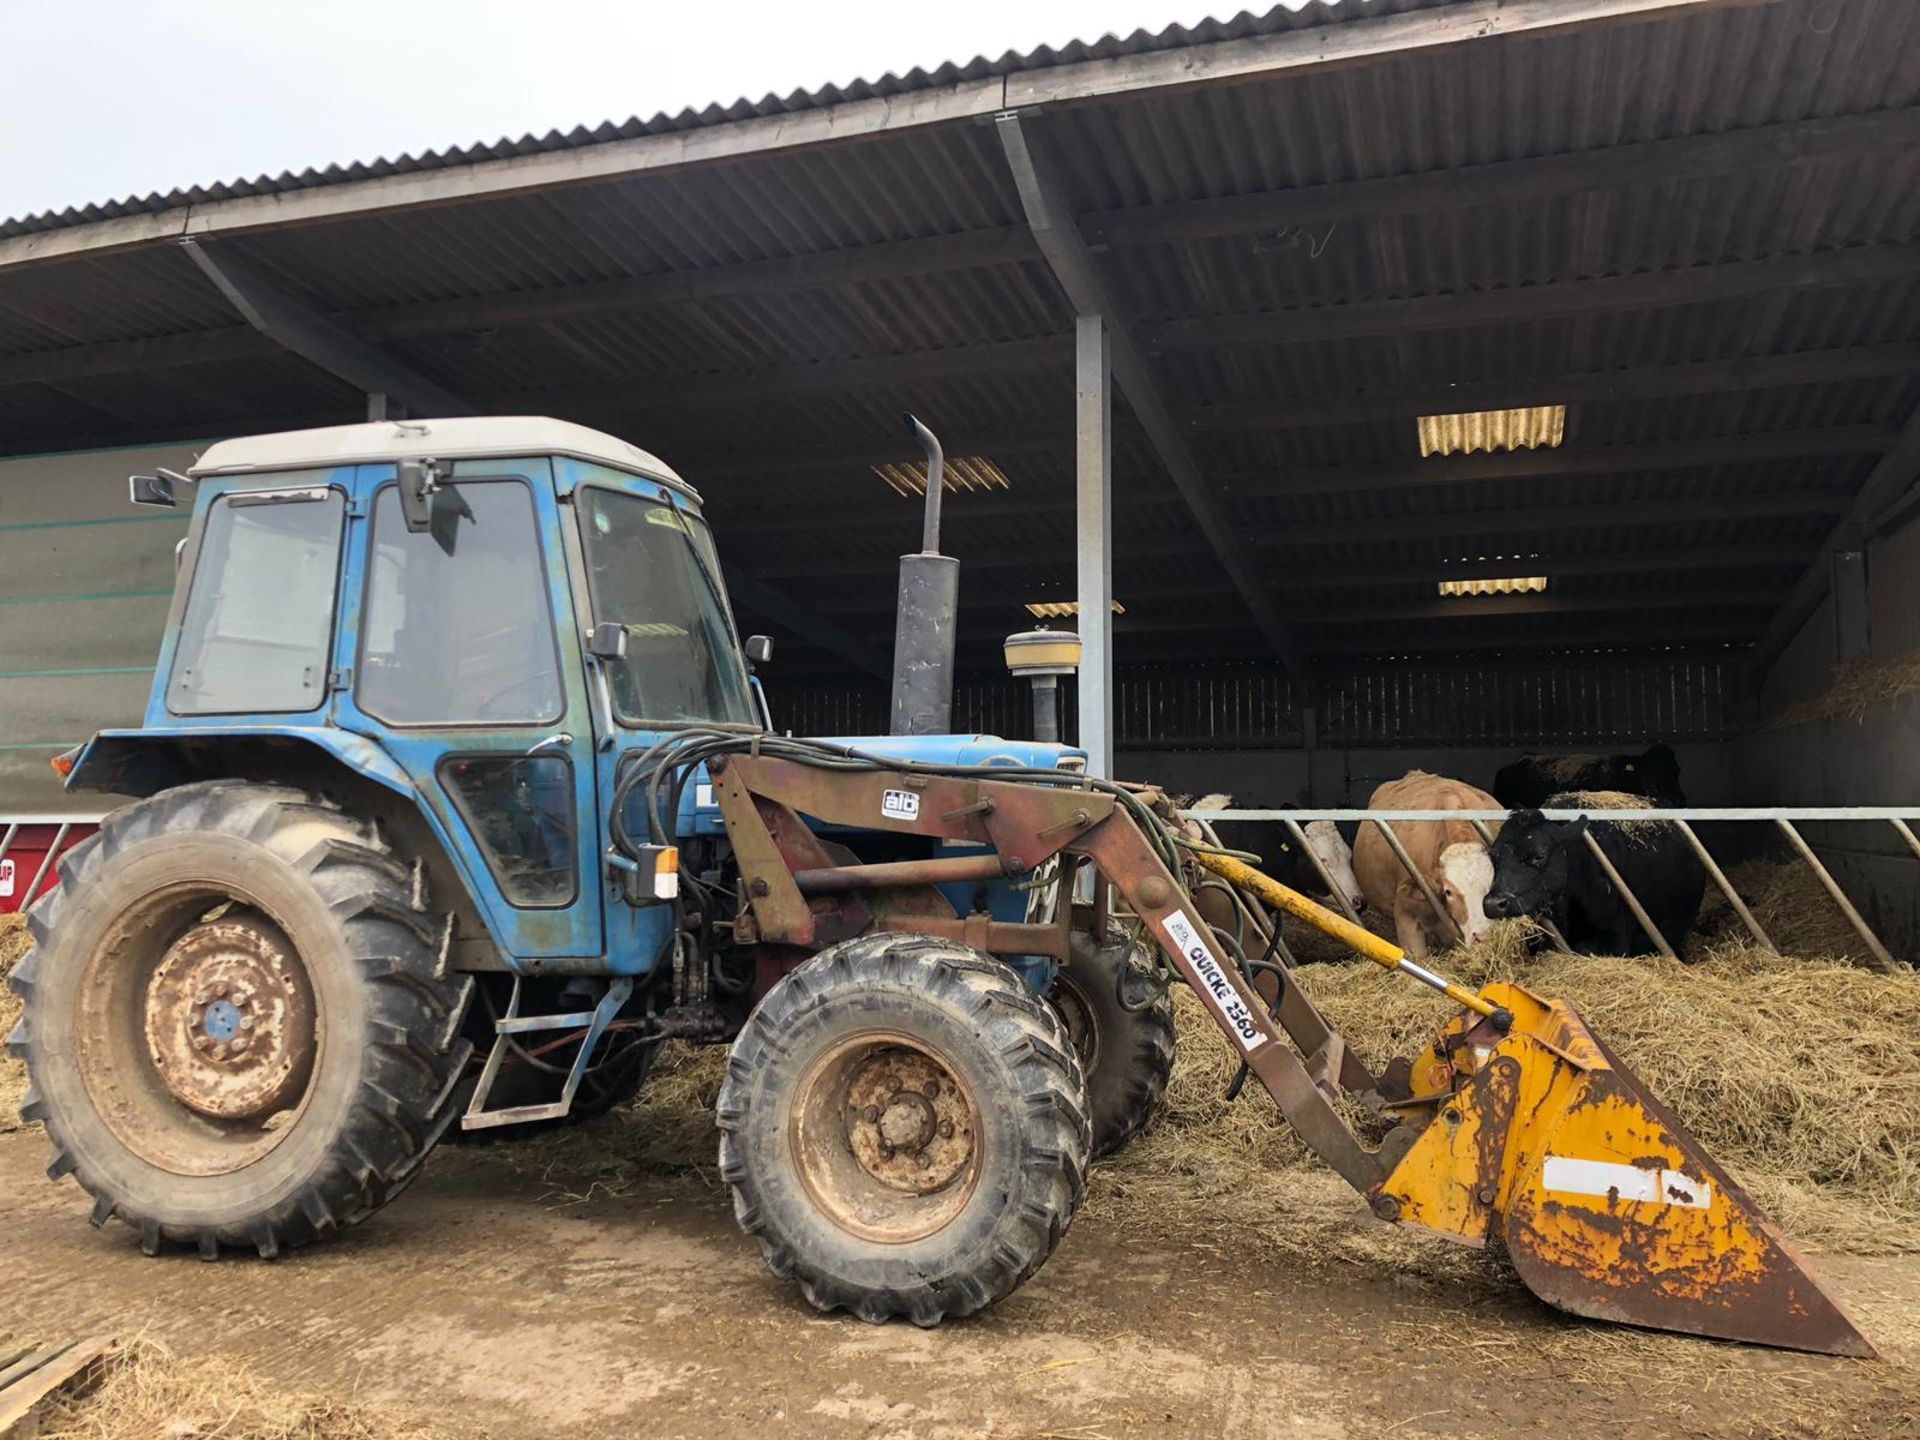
[{"x": 1784, "y": 818}]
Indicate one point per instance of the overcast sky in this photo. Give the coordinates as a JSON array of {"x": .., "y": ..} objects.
[{"x": 103, "y": 99}]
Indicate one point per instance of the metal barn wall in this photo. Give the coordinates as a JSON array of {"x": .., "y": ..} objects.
[
  {"x": 1624, "y": 701},
  {"x": 1236, "y": 728},
  {"x": 1868, "y": 758},
  {"x": 84, "y": 581}
]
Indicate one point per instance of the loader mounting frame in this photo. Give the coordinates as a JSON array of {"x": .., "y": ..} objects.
[{"x": 766, "y": 802}]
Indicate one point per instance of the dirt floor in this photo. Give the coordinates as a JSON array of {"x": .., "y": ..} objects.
[{"x": 491, "y": 1300}]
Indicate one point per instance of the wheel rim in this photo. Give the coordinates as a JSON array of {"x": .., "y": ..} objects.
[
  {"x": 886, "y": 1136},
  {"x": 197, "y": 1034}
]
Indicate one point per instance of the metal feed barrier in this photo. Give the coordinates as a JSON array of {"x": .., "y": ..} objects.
[{"x": 1682, "y": 818}]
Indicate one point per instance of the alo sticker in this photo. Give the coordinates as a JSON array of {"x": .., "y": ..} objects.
[
  {"x": 1213, "y": 981},
  {"x": 900, "y": 805},
  {"x": 6, "y": 878}
]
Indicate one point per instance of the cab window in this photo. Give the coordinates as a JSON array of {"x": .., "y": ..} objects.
[
  {"x": 259, "y": 618},
  {"x": 651, "y": 568},
  {"x": 457, "y": 629}
]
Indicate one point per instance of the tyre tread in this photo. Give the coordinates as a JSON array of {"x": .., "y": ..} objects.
[
  {"x": 1030, "y": 1037},
  {"x": 412, "y": 1054}
]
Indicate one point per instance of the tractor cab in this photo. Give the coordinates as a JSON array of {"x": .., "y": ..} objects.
[{"x": 488, "y": 616}]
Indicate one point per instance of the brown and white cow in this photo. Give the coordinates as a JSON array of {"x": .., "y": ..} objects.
[{"x": 1449, "y": 853}]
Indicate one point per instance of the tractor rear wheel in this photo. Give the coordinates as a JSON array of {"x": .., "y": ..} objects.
[
  {"x": 238, "y": 1027},
  {"x": 904, "y": 1129},
  {"x": 1126, "y": 1053}
]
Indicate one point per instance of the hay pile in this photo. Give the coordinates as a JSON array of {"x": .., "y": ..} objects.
[
  {"x": 1641, "y": 832},
  {"x": 666, "y": 1129},
  {"x": 1796, "y": 1075},
  {"x": 13, "y": 1075},
  {"x": 1857, "y": 686},
  {"x": 150, "y": 1394},
  {"x": 1792, "y": 906}
]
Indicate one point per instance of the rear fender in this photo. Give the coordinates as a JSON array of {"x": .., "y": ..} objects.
[{"x": 144, "y": 762}]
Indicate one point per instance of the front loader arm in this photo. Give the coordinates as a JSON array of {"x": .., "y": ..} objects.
[
  {"x": 797, "y": 897},
  {"x": 1518, "y": 1123}
]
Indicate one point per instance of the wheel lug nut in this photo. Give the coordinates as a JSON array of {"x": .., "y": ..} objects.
[
  {"x": 886, "y": 1151},
  {"x": 871, "y": 1114},
  {"x": 201, "y": 997},
  {"x": 924, "y": 1159},
  {"x": 246, "y": 1022},
  {"x": 946, "y": 1129},
  {"x": 202, "y": 1042},
  {"x": 893, "y": 1085}
]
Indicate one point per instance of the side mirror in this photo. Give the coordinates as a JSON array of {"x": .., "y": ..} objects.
[
  {"x": 759, "y": 649},
  {"x": 608, "y": 641},
  {"x": 152, "y": 490},
  {"x": 417, "y": 484}
]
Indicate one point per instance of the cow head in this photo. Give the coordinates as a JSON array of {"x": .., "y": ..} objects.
[
  {"x": 1466, "y": 875},
  {"x": 1530, "y": 860},
  {"x": 1324, "y": 840}
]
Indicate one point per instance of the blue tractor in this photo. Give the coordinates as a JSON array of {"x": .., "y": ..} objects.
[
  {"x": 454, "y": 802},
  {"x": 443, "y": 823}
]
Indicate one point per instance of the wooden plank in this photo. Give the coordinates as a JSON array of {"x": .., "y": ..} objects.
[
  {"x": 74, "y": 1366},
  {"x": 25, "y": 1362}
]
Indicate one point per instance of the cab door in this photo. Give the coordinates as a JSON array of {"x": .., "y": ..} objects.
[
  {"x": 459, "y": 657},
  {"x": 644, "y": 561}
]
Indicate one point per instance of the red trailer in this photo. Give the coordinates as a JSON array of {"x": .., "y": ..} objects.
[{"x": 29, "y": 847}]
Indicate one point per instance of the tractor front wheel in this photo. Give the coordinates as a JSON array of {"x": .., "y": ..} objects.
[
  {"x": 238, "y": 1027},
  {"x": 1121, "y": 1026},
  {"x": 904, "y": 1128}
]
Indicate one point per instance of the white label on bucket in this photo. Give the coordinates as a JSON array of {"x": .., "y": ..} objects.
[
  {"x": 1214, "y": 984},
  {"x": 1614, "y": 1181},
  {"x": 6, "y": 879},
  {"x": 900, "y": 805}
]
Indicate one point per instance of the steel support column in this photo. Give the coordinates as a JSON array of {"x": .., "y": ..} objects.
[
  {"x": 1065, "y": 250},
  {"x": 1093, "y": 535}
]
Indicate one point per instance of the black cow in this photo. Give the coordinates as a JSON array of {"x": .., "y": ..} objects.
[
  {"x": 1529, "y": 781},
  {"x": 1543, "y": 868}
]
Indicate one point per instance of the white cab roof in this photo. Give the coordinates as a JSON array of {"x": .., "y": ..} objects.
[{"x": 460, "y": 438}]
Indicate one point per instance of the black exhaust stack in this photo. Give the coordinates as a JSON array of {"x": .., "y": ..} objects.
[{"x": 929, "y": 601}]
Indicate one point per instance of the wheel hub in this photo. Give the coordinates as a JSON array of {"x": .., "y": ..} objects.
[
  {"x": 908, "y": 1124},
  {"x": 229, "y": 1020}
]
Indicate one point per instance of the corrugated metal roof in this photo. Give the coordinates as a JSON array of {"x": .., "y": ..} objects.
[
  {"x": 777, "y": 399},
  {"x": 1277, "y": 20}
]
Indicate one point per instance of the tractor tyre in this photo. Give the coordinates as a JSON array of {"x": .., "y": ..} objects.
[
  {"x": 1126, "y": 1054},
  {"x": 904, "y": 1129},
  {"x": 238, "y": 1029}
]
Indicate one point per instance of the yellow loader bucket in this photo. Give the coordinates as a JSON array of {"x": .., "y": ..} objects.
[
  {"x": 1607, "y": 1206},
  {"x": 1539, "y": 1136}
]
